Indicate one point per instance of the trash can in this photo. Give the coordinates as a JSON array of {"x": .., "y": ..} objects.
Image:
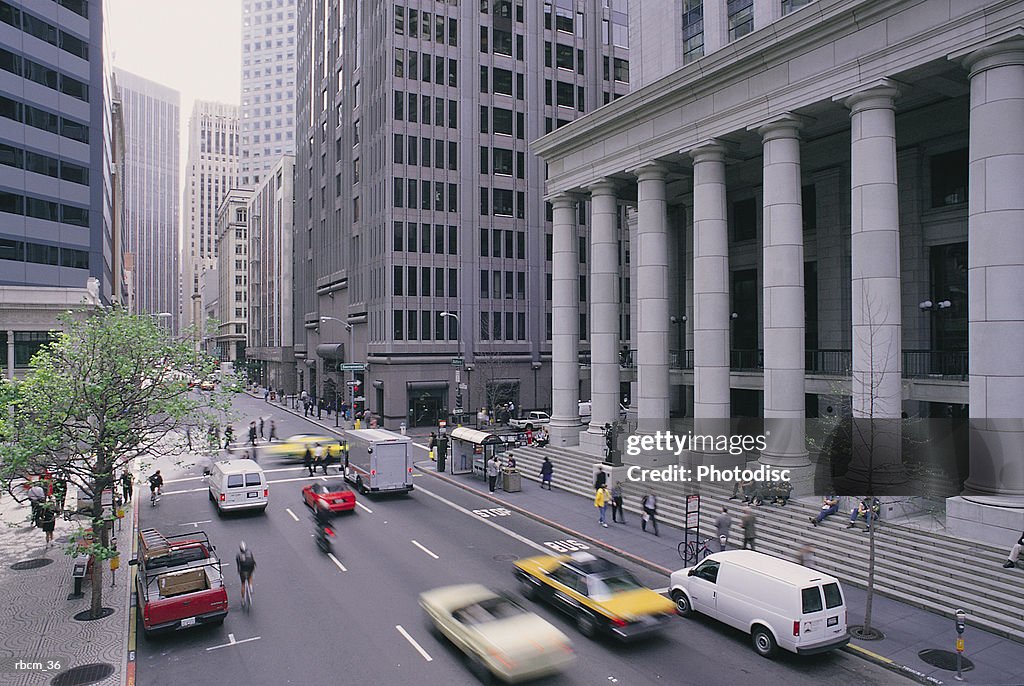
[{"x": 511, "y": 480}]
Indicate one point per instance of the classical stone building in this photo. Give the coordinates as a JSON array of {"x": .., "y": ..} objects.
[
  {"x": 826, "y": 199},
  {"x": 233, "y": 274}
]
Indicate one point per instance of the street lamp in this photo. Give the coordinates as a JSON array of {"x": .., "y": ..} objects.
[
  {"x": 679, "y": 322},
  {"x": 458, "y": 385},
  {"x": 348, "y": 328}
]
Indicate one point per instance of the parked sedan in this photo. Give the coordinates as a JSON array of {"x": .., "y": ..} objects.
[
  {"x": 335, "y": 496},
  {"x": 498, "y": 636},
  {"x": 600, "y": 595},
  {"x": 294, "y": 447}
]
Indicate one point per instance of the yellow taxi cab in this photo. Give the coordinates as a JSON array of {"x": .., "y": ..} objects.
[
  {"x": 601, "y": 596},
  {"x": 294, "y": 447}
]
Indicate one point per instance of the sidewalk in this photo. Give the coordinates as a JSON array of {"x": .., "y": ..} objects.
[
  {"x": 908, "y": 630},
  {"x": 39, "y": 624}
]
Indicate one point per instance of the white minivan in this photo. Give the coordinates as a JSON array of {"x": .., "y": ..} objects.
[
  {"x": 780, "y": 604},
  {"x": 238, "y": 485}
]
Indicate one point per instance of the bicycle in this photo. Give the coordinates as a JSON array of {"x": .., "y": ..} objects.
[
  {"x": 247, "y": 593},
  {"x": 692, "y": 552},
  {"x": 154, "y": 496}
]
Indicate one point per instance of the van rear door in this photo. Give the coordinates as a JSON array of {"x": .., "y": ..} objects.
[
  {"x": 389, "y": 461},
  {"x": 234, "y": 493},
  {"x": 818, "y": 623}
]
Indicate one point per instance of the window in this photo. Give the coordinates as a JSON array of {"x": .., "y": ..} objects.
[
  {"x": 503, "y": 202},
  {"x": 502, "y": 161},
  {"x": 565, "y": 94},
  {"x": 485, "y": 326},
  {"x": 424, "y": 195},
  {"x": 453, "y": 33},
  {"x": 453, "y": 115},
  {"x": 413, "y": 110},
  {"x": 411, "y": 239},
  {"x": 502, "y": 42},
  {"x": 41, "y": 254},
  {"x": 425, "y": 149},
  {"x": 693, "y": 30},
  {"x": 425, "y": 62},
  {"x": 521, "y": 285},
  {"x": 399, "y": 146},
  {"x": 453, "y": 73},
  {"x": 411, "y": 193},
  {"x": 563, "y": 20},
  {"x": 397, "y": 280},
  {"x": 453, "y": 155},
  {"x": 399, "y": 105},
  {"x": 741, "y": 18},
  {"x": 398, "y": 197},
  {"x": 520, "y": 165},
  {"x": 485, "y": 117},
  {"x": 399, "y": 63},
  {"x": 509, "y": 237},
  {"x": 453, "y": 240},
  {"x": 413, "y": 328},
  {"x": 793, "y": 5},
  {"x": 485, "y": 284},
  {"x": 484, "y": 244},
  {"x": 949, "y": 178},
  {"x": 410, "y": 280},
  {"x": 502, "y": 81},
  {"x": 520, "y": 245},
  {"x": 414, "y": 150},
  {"x": 744, "y": 219},
  {"x": 398, "y": 238},
  {"x": 453, "y": 197},
  {"x": 496, "y": 244},
  {"x": 621, "y": 70},
  {"x": 496, "y": 326},
  {"x": 483, "y": 80},
  {"x": 398, "y": 324},
  {"x": 399, "y": 20},
  {"x": 484, "y": 205},
  {"x": 565, "y": 57},
  {"x": 439, "y": 154},
  {"x": 811, "y": 599},
  {"x": 502, "y": 121},
  {"x": 439, "y": 282}
]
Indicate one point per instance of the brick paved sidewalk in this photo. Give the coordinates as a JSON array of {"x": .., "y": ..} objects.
[{"x": 39, "y": 622}]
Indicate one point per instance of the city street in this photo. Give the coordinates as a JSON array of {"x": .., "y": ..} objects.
[{"x": 357, "y": 620}]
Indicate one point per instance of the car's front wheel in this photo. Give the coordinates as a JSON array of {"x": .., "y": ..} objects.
[
  {"x": 682, "y": 602},
  {"x": 479, "y": 669}
]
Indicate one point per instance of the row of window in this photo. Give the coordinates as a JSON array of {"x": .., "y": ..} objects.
[
  {"x": 427, "y": 106},
  {"x": 500, "y": 42},
  {"x": 12, "y": 156},
  {"x": 499, "y": 161},
  {"x": 414, "y": 193},
  {"x": 425, "y": 325},
  {"x": 419, "y": 67},
  {"x": 41, "y": 74},
  {"x": 500, "y": 243},
  {"x": 423, "y": 26},
  {"x": 404, "y": 238},
  {"x": 37, "y": 253},
  {"x": 514, "y": 284},
  {"x": 616, "y": 68},
  {"x": 502, "y": 9},
  {"x": 499, "y": 81},
  {"x": 415, "y": 281},
  {"x": 499, "y": 202},
  {"x": 565, "y": 94},
  {"x": 79, "y": 7},
  {"x": 499, "y": 120},
  {"x": 740, "y": 21},
  {"x": 503, "y": 326},
  {"x": 42, "y": 119},
  {"x": 43, "y": 30},
  {"x": 423, "y": 151},
  {"x": 565, "y": 57},
  {"x": 38, "y": 208}
]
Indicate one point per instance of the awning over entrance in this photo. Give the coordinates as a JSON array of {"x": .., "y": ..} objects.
[
  {"x": 425, "y": 385},
  {"x": 331, "y": 351}
]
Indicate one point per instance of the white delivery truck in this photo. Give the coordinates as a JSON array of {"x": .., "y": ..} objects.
[{"x": 378, "y": 461}]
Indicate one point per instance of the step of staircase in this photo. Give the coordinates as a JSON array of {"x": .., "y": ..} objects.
[{"x": 923, "y": 568}]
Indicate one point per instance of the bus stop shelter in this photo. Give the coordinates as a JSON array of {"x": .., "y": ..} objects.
[{"x": 470, "y": 450}]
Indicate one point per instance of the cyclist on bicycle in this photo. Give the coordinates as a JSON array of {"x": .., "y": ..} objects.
[
  {"x": 156, "y": 483},
  {"x": 246, "y": 566}
]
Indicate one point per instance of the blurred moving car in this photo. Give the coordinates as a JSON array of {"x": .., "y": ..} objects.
[
  {"x": 498, "y": 636},
  {"x": 294, "y": 447},
  {"x": 207, "y": 385},
  {"x": 336, "y": 496},
  {"x": 600, "y": 595}
]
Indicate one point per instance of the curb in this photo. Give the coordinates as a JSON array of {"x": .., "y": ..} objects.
[{"x": 892, "y": 666}]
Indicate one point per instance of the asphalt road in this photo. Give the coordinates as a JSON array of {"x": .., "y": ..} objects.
[{"x": 357, "y": 620}]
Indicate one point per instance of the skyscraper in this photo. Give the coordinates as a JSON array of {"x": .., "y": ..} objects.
[
  {"x": 211, "y": 170},
  {"x": 268, "y": 86},
  {"x": 419, "y": 209},
  {"x": 151, "y": 113},
  {"x": 57, "y": 245}
]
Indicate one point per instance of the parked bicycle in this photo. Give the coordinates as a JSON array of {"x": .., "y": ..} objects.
[{"x": 692, "y": 552}]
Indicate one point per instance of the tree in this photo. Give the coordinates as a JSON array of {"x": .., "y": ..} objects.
[{"x": 110, "y": 388}]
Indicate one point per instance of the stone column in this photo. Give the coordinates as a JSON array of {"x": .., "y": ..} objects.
[
  {"x": 783, "y": 278},
  {"x": 604, "y": 308},
  {"x": 565, "y": 322},
  {"x": 652, "y": 300},
  {"x": 711, "y": 404},
  {"x": 10, "y": 354},
  {"x": 876, "y": 300},
  {"x": 995, "y": 272}
]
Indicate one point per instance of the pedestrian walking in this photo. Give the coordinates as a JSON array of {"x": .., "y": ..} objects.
[
  {"x": 1011, "y": 561},
  {"x": 749, "y": 528},
  {"x": 601, "y": 479},
  {"x": 229, "y": 438},
  {"x": 601, "y": 500},
  {"x": 261, "y": 427},
  {"x": 806, "y": 555},
  {"x": 126, "y": 485},
  {"x": 46, "y": 520},
  {"x": 546, "y": 471},
  {"x": 36, "y": 496},
  {"x": 273, "y": 430},
  {"x": 432, "y": 445},
  {"x": 320, "y": 458},
  {"x": 649, "y": 504},
  {"x": 723, "y": 523},
  {"x": 320, "y": 408},
  {"x": 60, "y": 492},
  {"x": 492, "y": 473},
  {"x": 617, "y": 503},
  {"x": 252, "y": 433},
  {"x": 307, "y": 460},
  {"x": 266, "y": 395}
]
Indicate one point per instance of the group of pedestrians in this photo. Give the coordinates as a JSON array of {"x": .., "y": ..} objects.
[
  {"x": 315, "y": 458},
  {"x": 605, "y": 496}
]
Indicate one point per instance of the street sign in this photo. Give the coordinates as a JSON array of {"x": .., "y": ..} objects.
[
  {"x": 458, "y": 361},
  {"x": 352, "y": 367},
  {"x": 352, "y": 383}
]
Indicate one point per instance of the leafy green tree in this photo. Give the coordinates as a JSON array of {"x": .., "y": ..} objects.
[{"x": 109, "y": 389}]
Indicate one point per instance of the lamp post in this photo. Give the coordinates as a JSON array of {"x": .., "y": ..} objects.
[
  {"x": 679, "y": 322},
  {"x": 348, "y": 328},
  {"x": 535, "y": 366},
  {"x": 458, "y": 384}
]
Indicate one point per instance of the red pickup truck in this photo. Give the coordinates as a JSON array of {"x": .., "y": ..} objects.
[{"x": 179, "y": 583}]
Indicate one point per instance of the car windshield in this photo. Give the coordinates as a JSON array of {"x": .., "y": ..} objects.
[
  {"x": 604, "y": 587},
  {"x": 489, "y": 610}
]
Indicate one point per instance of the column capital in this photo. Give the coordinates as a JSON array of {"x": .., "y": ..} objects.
[
  {"x": 650, "y": 171},
  {"x": 605, "y": 186},
  {"x": 785, "y": 125},
  {"x": 712, "y": 150},
  {"x": 563, "y": 200},
  {"x": 873, "y": 95},
  {"x": 994, "y": 51}
]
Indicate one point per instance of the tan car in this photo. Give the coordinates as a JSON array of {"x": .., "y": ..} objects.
[
  {"x": 498, "y": 636},
  {"x": 294, "y": 447}
]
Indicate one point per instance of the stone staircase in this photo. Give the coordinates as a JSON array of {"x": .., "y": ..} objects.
[{"x": 929, "y": 570}]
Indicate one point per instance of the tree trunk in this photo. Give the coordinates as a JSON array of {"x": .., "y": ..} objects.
[
  {"x": 867, "y": 631},
  {"x": 100, "y": 536}
]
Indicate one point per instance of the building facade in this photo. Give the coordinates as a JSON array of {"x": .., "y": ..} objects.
[
  {"x": 233, "y": 274},
  {"x": 57, "y": 242},
  {"x": 268, "y": 86},
  {"x": 420, "y": 218},
  {"x": 270, "y": 348},
  {"x": 824, "y": 204},
  {"x": 210, "y": 171},
  {"x": 150, "y": 112}
]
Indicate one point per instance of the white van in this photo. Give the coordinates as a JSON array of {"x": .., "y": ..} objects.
[
  {"x": 780, "y": 604},
  {"x": 238, "y": 485}
]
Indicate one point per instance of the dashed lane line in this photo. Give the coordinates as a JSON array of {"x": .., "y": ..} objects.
[
  {"x": 413, "y": 643},
  {"x": 293, "y": 515},
  {"x": 428, "y": 552},
  {"x": 337, "y": 562},
  {"x": 233, "y": 642},
  {"x": 498, "y": 527},
  {"x": 360, "y": 505}
]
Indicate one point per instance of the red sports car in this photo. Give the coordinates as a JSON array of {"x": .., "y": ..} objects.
[{"x": 335, "y": 495}]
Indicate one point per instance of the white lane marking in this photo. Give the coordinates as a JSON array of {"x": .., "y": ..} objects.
[
  {"x": 413, "y": 643},
  {"x": 289, "y": 511},
  {"x": 662, "y": 591},
  {"x": 428, "y": 552},
  {"x": 337, "y": 562},
  {"x": 278, "y": 481},
  {"x": 196, "y": 524},
  {"x": 233, "y": 642},
  {"x": 368, "y": 510},
  {"x": 488, "y": 522},
  {"x": 418, "y": 445}
]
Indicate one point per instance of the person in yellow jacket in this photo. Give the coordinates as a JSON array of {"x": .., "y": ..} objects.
[{"x": 601, "y": 500}]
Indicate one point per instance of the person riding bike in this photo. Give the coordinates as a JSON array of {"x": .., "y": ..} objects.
[
  {"x": 322, "y": 519},
  {"x": 156, "y": 482},
  {"x": 246, "y": 566}
]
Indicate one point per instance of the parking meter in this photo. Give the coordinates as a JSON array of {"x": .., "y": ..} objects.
[{"x": 961, "y": 618}]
